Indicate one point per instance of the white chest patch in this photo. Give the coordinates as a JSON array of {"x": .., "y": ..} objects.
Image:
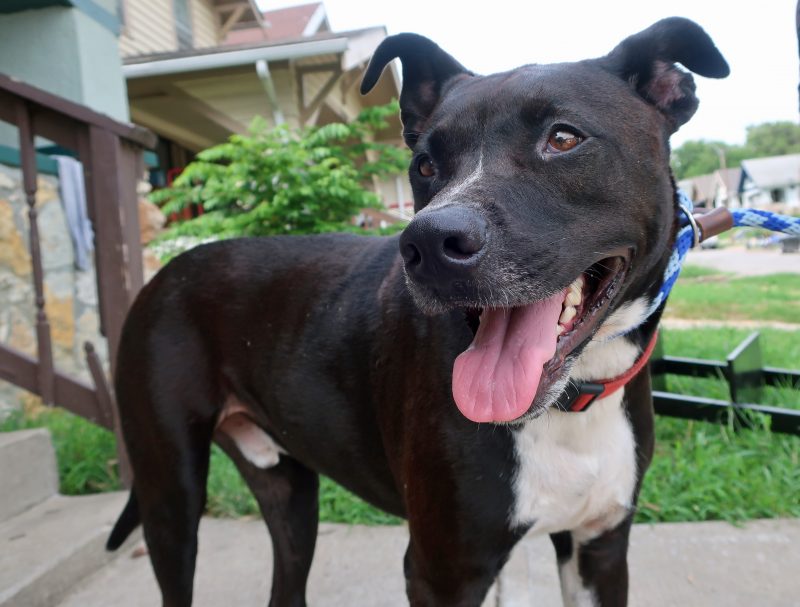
[{"x": 577, "y": 471}]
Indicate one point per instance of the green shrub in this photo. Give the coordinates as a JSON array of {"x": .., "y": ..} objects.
[{"x": 282, "y": 180}]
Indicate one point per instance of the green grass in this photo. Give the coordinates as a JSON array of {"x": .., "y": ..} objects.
[
  {"x": 705, "y": 471},
  {"x": 701, "y": 293}
]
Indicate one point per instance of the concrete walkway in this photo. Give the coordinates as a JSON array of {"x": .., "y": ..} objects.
[
  {"x": 684, "y": 564},
  {"x": 746, "y": 262}
]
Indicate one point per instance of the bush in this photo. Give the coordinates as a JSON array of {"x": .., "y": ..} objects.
[{"x": 282, "y": 180}]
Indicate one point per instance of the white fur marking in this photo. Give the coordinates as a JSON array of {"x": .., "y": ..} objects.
[
  {"x": 573, "y": 592},
  {"x": 625, "y": 318},
  {"x": 451, "y": 193},
  {"x": 577, "y": 471}
]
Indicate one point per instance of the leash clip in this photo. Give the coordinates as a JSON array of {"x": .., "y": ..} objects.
[{"x": 697, "y": 233}]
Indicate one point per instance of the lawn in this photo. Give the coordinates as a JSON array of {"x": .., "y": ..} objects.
[
  {"x": 702, "y": 293},
  {"x": 701, "y": 471}
]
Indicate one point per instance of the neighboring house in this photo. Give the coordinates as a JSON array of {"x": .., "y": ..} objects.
[
  {"x": 285, "y": 65},
  {"x": 701, "y": 189},
  {"x": 727, "y": 188},
  {"x": 283, "y": 24},
  {"x": 163, "y": 26},
  {"x": 771, "y": 182}
]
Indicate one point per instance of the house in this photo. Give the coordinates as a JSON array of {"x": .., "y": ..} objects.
[
  {"x": 66, "y": 47},
  {"x": 727, "y": 188},
  {"x": 717, "y": 189},
  {"x": 204, "y": 72},
  {"x": 701, "y": 189},
  {"x": 283, "y": 24},
  {"x": 772, "y": 182}
]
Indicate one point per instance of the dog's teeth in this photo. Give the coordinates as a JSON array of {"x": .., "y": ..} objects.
[
  {"x": 560, "y": 329},
  {"x": 573, "y": 297},
  {"x": 567, "y": 315}
]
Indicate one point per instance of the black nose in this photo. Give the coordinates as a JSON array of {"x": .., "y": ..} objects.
[{"x": 445, "y": 243}]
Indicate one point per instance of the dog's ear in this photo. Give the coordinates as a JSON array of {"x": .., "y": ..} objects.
[
  {"x": 647, "y": 60},
  {"x": 426, "y": 70}
]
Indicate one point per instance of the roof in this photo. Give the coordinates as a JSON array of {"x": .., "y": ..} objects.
[
  {"x": 774, "y": 171},
  {"x": 284, "y": 24},
  {"x": 701, "y": 188},
  {"x": 730, "y": 178},
  {"x": 191, "y": 60},
  {"x": 245, "y": 13}
]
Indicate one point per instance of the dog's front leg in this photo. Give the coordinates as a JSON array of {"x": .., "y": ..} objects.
[
  {"x": 594, "y": 573},
  {"x": 448, "y": 577},
  {"x": 456, "y": 550}
]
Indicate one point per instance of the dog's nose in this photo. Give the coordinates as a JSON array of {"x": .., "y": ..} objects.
[{"x": 443, "y": 243}]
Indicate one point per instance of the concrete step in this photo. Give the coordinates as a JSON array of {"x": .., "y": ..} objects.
[
  {"x": 48, "y": 548},
  {"x": 28, "y": 472}
]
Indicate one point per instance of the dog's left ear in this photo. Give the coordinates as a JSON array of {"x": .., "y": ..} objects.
[
  {"x": 647, "y": 60},
  {"x": 426, "y": 70}
]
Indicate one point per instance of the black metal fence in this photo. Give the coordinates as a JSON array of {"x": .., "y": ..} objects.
[{"x": 746, "y": 377}]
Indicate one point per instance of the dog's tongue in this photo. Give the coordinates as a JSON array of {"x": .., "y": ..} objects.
[{"x": 496, "y": 378}]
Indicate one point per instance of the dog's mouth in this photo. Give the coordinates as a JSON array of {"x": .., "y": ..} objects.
[{"x": 519, "y": 354}]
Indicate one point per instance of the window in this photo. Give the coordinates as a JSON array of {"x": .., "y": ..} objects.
[
  {"x": 777, "y": 195},
  {"x": 183, "y": 23}
]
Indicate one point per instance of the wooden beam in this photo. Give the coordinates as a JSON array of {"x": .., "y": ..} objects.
[
  {"x": 232, "y": 19},
  {"x": 189, "y": 139},
  {"x": 207, "y": 111},
  {"x": 306, "y": 111}
]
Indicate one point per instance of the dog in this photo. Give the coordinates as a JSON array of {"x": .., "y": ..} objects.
[{"x": 434, "y": 373}]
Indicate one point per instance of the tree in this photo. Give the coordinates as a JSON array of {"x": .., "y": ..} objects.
[
  {"x": 772, "y": 139},
  {"x": 698, "y": 157},
  {"x": 279, "y": 180},
  {"x": 701, "y": 157}
]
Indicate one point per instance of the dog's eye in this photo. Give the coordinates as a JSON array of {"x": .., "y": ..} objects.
[
  {"x": 562, "y": 140},
  {"x": 425, "y": 166}
]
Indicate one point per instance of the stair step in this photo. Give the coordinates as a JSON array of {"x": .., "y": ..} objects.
[
  {"x": 50, "y": 547},
  {"x": 28, "y": 472}
]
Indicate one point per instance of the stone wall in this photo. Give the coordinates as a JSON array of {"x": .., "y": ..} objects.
[{"x": 70, "y": 295}]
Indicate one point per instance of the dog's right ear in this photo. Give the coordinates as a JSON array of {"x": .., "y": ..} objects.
[{"x": 426, "y": 69}]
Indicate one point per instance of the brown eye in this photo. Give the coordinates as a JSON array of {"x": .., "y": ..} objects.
[
  {"x": 425, "y": 166},
  {"x": 563, "y": 140}
]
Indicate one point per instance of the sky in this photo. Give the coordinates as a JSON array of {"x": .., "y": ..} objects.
[{"x": 758, "y": 39}]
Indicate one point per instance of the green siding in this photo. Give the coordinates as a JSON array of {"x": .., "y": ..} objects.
[
  {"x": 44, "y": 164},
  {"x": 90, "y": 8}
]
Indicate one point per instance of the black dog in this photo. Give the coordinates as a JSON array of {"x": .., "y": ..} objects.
[{"x": 428, "y": 373}]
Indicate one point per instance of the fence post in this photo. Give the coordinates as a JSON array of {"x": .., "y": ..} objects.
[
  {"x": 112, "y": 196},
  {"x": 744, "y": 375},
  {"x": 658, "y": 379}
]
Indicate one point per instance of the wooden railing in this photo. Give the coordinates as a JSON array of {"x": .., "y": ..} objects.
[{"x": 111, "y": 153}]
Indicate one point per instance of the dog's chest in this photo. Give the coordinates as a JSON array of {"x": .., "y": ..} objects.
[{"x": 577, "y": 471}]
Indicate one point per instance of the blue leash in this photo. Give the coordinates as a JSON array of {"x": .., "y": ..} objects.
[{"x": 690, "y": 235}]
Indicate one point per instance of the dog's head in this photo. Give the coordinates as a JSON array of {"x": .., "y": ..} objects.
[{"x": 544, "y": 200}]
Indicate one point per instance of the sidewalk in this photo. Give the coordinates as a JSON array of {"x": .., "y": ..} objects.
[{"x": 681, "y": 564}]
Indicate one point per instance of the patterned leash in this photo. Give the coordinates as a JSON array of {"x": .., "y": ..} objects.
[{"x": 697, "y": 228}]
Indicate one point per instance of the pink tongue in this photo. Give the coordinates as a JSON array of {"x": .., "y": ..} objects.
[{"x": 496, "y": 378}]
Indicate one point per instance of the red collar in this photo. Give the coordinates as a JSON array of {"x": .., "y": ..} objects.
[{"x": 607, "y": 387}]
